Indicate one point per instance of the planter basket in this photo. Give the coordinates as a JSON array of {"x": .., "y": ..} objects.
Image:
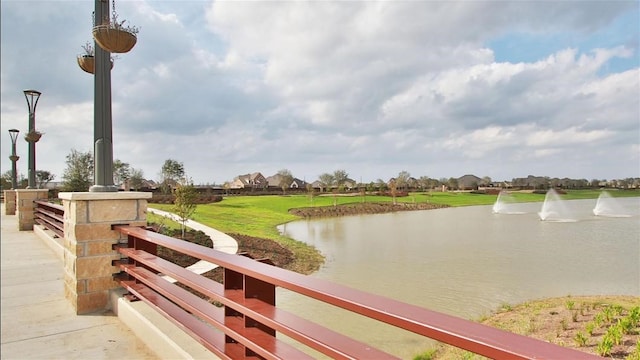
[
  {"x": 88, "y": 63},
  {"x": 33, "y": 136},
  {"x": 112, "y": 39}
]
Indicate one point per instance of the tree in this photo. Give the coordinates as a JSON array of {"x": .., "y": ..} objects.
[
  {"x": 185, "y": 202},
  {"x": 393, "y": 187},
  {"x": 310, "y": 192},
  {"x": 172, "y": 172},
  {"x": 402, "y": 181},
  {"x": 78, "y": 176},
  {"x": 5, "y": 179},
  {"x": 452, "y": 183},
  {"x": 121, "y": 172},
  {"x": 43, "y": 177},
  {"x": 136, "y": 179},
  {"x": 326, "y": 181},
  {"x": 340, "y": 177},
  {"x": 285, "y": 179}
]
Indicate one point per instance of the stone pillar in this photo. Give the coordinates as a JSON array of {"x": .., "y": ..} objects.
[
  {"x": 89, "y": 240},
  {"x": 10, "y": 202},
  {"x": 25, "y": 206}
]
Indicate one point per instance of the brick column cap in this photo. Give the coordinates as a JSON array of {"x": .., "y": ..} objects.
[{"x": 119, "y": 195}]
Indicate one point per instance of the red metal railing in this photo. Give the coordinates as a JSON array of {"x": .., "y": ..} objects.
[
  {"x": 49, "y": 215},
  {"x": 248, "y": 320}
]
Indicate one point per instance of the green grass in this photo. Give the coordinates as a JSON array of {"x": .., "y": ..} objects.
[{"x": 260, "y": 215}]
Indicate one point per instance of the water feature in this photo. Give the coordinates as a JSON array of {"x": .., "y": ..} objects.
[
  {"x": 466, "y": 262},
  {"x": 506, "y": 204},
  {"x": 609, "y": 206},
  {"x": 555, "y": 208}
]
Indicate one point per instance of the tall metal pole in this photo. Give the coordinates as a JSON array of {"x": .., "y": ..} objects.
[
  {"x": 13, "y": 133},
  {"x": 33, "y": 136},
  {"x": 102, "y": 128}
]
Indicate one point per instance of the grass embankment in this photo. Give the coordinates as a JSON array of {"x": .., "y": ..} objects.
[
  {"x": 608, "y": 326},
  {"x": 259, "y": 216}
]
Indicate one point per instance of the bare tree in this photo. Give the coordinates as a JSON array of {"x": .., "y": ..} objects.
[
  {"x": 285, "y": 179},
  {"x": 326, "y": 181}
]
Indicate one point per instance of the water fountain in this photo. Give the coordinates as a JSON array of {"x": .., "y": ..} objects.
[
  {"x": 554, "y": 209},
  {"x": 505, "y": 204},
  {"x": 609, "y": 207}
]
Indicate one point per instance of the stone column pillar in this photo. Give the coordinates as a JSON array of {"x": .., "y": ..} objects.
[
  {"x": 25, "y": 206},
  {"x": 10, "y": 202},
  {"x": 89, "y": 240}
]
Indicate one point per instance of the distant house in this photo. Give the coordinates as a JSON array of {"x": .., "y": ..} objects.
[
  {"x": 318, "y": 185},
  {"x": 255, "y": 180},
  {"x": 275, "y": 181},
  {"x": 469, "y": 182},
  {"x": 298, "y": 184}
]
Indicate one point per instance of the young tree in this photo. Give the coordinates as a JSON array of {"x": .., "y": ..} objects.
[
  {"x": 185, "y": 202},
  {"x": 43, "y": 177},
  {"x": 121, "y": 172},
  {"x": 402, "y": 181},
  {"x": 78, "y": 176},
  {"x": 285, "y": 179},
  {"x": 393, "y": 187},
  {"x": 172, "y": 171},
  {"x": 136, "y": 179}
]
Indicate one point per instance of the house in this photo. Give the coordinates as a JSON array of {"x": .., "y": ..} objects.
[
  {"x": 275, "y": 181},
  {"x": 298, "y": 184},
  {"x": 469, "y": 182},
  {"x": 255, "y": 180}
]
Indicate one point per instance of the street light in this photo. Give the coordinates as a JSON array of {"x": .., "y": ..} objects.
[
  {"x": 13, "y": 133},
  {"x": 32, "y": 136},
  {"x": 102, "y": 123}
]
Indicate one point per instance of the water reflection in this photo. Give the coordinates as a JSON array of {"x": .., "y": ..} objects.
[{"x": 468, "y": 261}]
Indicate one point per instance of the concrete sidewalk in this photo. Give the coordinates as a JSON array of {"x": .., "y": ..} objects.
[{"x": 38, "y": 322}]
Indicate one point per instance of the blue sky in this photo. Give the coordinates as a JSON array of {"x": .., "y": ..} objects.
[{"x": 503, "y": 89}]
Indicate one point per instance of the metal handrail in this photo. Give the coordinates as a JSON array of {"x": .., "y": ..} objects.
[
  {"x": 50, "y": 215},
  {"x": 249, "y": 319}
]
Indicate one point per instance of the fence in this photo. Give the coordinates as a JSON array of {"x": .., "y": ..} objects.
[{"x": 246, "y": 321}]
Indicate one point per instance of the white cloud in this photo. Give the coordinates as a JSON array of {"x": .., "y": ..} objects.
[{"x": 370, "y": 87}]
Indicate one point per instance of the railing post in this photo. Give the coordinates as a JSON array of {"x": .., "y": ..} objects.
[
  {"x": 252, "y": 288},
  {"x": 25, "y": 206},
  {"x": 89, "y": 240},
  {"x": 10, "y": 202}
]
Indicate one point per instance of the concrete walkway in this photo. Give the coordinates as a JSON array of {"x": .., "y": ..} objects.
[
  {"x": 38, "y": 322},
  {"x": 221, "y": 242}
]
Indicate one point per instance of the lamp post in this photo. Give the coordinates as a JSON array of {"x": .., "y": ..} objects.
[
  {"x": 13, "y": 133},
  {"x": 32, "y": 136},
  {"x": 102, "y": 128}
]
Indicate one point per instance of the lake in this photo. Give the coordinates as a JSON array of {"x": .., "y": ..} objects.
[{"x": 468, "y": 261}]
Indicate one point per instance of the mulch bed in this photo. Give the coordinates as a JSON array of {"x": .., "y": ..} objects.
[{"x": 361, "y": 209}]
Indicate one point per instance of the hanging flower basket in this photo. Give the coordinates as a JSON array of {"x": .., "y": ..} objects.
[
  {"x": 115, "y": 37},
  {"x": 88, "y": 63},
  {"x": 33, "y": 136}
]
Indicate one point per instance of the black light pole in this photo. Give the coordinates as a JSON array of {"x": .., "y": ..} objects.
[
  {"x": 102, "y": 125},
  {"x": 13, "y": 133},
  {"x": 32, "y": 136}
]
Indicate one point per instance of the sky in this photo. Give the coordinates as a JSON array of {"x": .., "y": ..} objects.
[{"x": 503, "y": 89}]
